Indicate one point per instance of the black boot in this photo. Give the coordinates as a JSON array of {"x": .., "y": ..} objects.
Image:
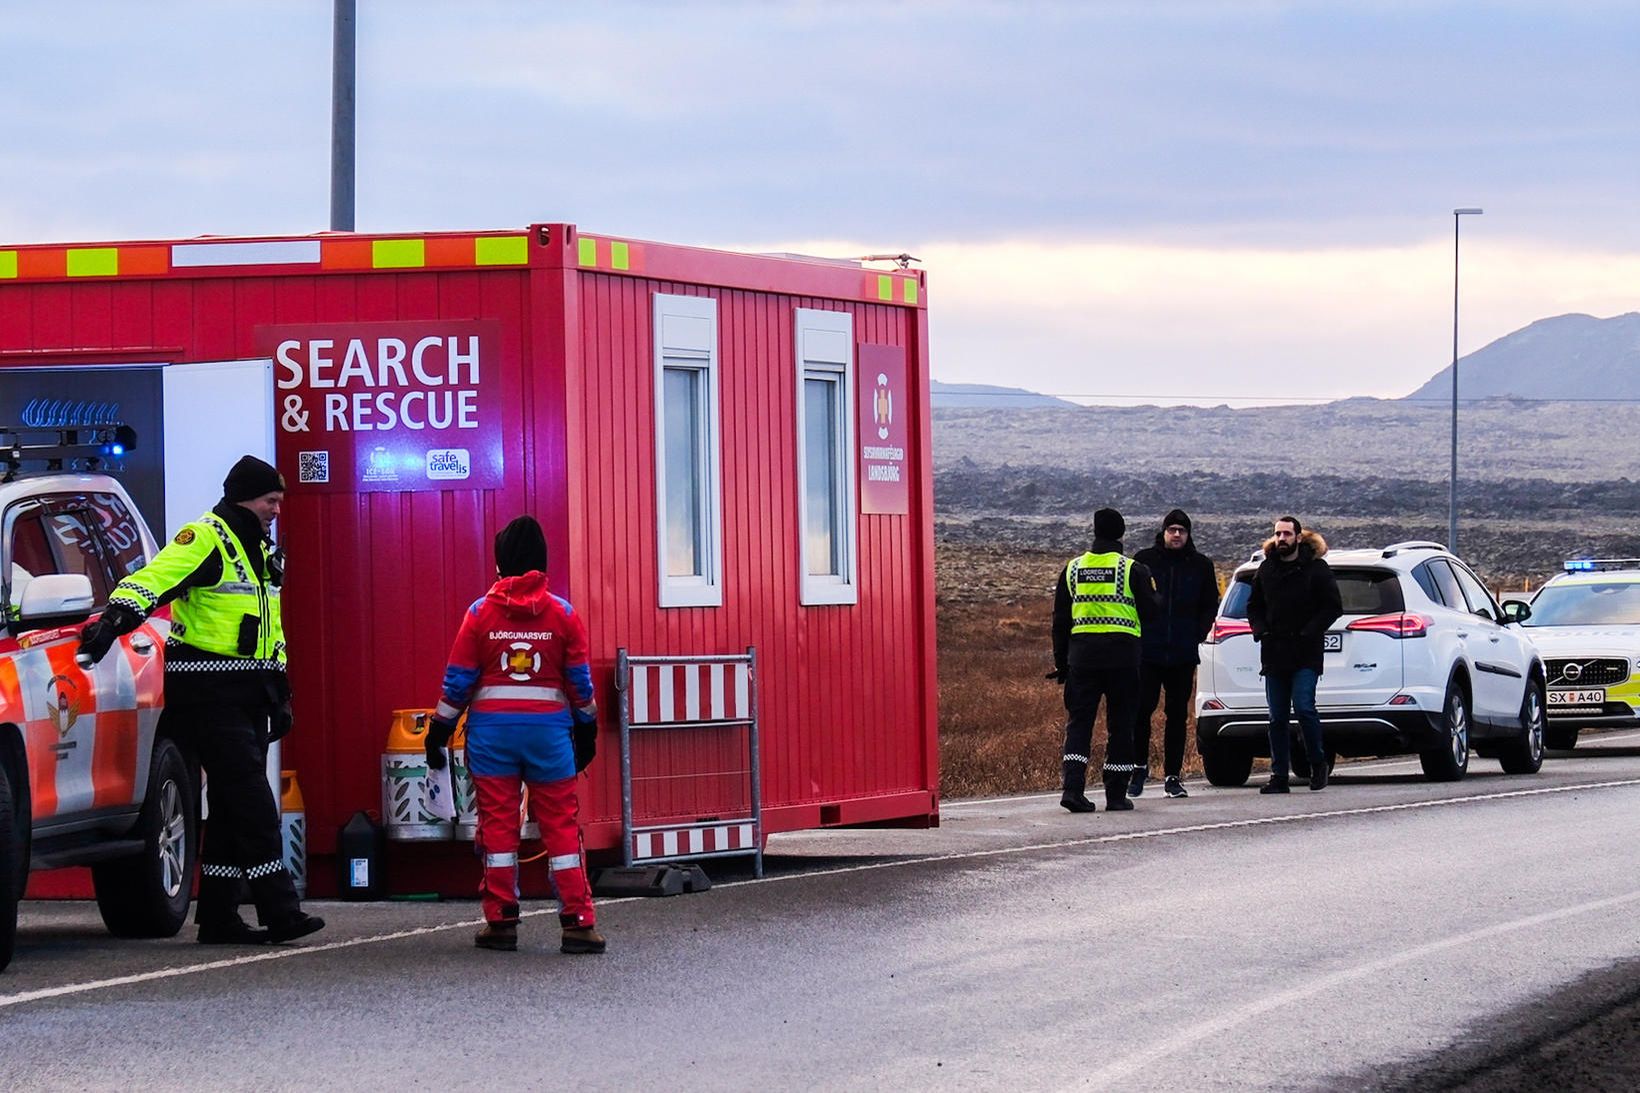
[
  {"x": 216, "y": 912},
  {"x": 1075, "y": 780},
  {"x": 1116, "y": 791},
  {"x": 1275, "y": 785}
]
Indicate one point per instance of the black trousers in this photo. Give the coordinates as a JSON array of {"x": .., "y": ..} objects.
[
  {"x": 1177, "y": 681},
  {"x": 1084, "y": 687},
  {"x": 242, "y": 839}
]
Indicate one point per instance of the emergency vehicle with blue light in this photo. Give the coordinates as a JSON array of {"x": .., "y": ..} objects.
[{"x": 87, "y": 776}]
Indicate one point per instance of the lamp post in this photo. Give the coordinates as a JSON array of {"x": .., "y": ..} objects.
[{"x": 1452, "y": 497}]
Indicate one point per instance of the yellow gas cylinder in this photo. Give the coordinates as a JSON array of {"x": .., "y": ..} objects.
[
  {"x": 404, "y": 780},
  {"x": 293, "y": 830}
]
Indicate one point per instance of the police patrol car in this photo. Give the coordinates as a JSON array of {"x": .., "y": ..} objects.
[
  {"x": 86, "y": 777},
  {"x": 1586, "y": 623}
]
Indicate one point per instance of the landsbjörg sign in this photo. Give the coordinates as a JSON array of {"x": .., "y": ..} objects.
[
  {"x": 884, "y": 484},
  {"x": 375, "y": 407}
]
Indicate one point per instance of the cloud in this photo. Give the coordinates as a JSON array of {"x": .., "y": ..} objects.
[{"x": 1114, "y": 321}]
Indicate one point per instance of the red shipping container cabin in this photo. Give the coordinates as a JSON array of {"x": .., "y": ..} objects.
[{"x": 726, "y": 450}]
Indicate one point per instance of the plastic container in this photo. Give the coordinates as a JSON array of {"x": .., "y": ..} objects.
[{"x": 361, "y": 856}]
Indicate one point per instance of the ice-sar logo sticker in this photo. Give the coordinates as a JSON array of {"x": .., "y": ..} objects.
[
  {"x": 184, "y": 537},
  {"x": 63, "y": 703}
]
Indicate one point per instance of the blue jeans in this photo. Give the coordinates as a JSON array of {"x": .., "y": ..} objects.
[{"x": 1292, "y": 693}]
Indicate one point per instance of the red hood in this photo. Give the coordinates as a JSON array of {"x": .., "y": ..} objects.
[{"x": 522, "y": 595}]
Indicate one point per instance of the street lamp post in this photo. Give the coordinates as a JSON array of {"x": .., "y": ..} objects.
[{"x": 1452, "y": 497}]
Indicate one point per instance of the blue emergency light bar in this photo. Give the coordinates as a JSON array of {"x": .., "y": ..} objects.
[
  {"x": 79, "y": 449},
  {"x": 1599, "y": 565}
]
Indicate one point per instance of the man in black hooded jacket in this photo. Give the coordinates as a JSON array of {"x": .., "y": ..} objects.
[{"x": 1187, "y": 590}]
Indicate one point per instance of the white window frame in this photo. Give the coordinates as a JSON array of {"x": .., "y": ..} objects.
[
  {"x": 686, "y": 332},
  {"x": 825, "y": 347}
]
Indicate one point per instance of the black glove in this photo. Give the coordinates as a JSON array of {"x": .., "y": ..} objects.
[
  {"x": 1057, "y": 675},
  {"x": 586, "y": 744},
  {"x": 99, "y": 637},
  {"x": 438, "y": 736},
  {"x": 279, "y": 721}
]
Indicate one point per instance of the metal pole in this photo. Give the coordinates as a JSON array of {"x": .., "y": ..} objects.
[
  {"x": 341, "y": 119},
  {"x": 1452, "y": 495},
  {"x": 623, "y": 686},
  {"x": 1452, "y": 498}
]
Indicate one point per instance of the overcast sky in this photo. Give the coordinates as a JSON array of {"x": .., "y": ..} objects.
[{"x": 1207, "y": 200}]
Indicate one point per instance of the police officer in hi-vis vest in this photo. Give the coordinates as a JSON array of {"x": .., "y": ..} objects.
[
  {"x": 1098, "y": 609},
  {"x": 226, "y": 694}
]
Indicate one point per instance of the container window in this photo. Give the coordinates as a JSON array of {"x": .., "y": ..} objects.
[
  {"x": 688, "y": 499},
  {"x": 825, "y": 457}
]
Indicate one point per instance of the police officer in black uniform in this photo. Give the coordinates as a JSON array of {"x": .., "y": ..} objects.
[
  {"x": 226, "y": 693},
  {"x": 1100, "y": 605}
]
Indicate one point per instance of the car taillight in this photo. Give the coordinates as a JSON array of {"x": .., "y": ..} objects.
[
  {"x": 1228, "y": 628},
  {"x": 1403, "y": 624}
]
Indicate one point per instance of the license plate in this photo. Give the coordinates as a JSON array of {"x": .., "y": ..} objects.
[
  {"x": 1594, "y": 697},
  {"x": 1332, "y": 641}
]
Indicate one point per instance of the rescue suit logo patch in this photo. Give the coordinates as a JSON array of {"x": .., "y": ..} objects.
[
  {"x": 184, "y": 537},
  {"x": 63, "y": 703},
  {"x": 520, "y": 661}
]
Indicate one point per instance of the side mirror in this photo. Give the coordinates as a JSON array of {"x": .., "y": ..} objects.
[
  {"x": 1516, "y": 611},
  {"x": 55, "y": 599}
]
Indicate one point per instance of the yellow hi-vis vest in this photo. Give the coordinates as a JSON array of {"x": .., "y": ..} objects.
[
  {"x": 237, "y": 617},
  {"x": 1101, "y": 587}
]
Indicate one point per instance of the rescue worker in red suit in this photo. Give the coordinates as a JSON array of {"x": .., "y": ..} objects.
[{"x": 519, "y": 669}]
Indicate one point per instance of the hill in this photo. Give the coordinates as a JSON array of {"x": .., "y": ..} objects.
[
  {"x": 1566, "y": 357},
  {"x": 983, "y": 396}
]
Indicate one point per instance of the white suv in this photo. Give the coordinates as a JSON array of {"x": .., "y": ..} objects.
[{"x": 1423, "y": 661}]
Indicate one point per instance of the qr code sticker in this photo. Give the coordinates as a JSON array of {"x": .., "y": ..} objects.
[{"x": 314, "y": 467}]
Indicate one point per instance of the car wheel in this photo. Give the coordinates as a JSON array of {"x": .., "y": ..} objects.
[
  {"x": 1225, "y": 764},
  {"x": 1299, "y": 760},
  {"x": 147, "y": 894},
  {"x": 11, "y": 852},
  {"x": 1451, "y": 762},
  {"x": 1524, "y": 754},
  {"x": 1560, "y": 738}
]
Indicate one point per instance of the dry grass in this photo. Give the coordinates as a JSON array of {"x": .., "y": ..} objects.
[{"x": 1001, "y": 724}]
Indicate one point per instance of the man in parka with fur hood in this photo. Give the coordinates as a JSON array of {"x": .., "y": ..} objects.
[{"x": 1295, "y": 598}]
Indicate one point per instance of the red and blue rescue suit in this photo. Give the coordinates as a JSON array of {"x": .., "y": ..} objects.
[{"x": 519, "y": 669}]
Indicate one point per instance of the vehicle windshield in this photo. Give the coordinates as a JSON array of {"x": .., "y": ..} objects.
[
  {"x": 1363, "y": 592},
  {"x": 1610, "y": 603}
]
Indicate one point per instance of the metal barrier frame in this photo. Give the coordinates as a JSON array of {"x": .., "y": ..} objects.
[{"x": 623, "y": 684}]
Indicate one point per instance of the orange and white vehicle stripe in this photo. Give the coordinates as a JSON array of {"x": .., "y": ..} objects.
[{"x": 89, "y": 736}]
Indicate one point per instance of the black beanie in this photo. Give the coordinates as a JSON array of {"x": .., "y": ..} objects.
[
  {"x": 520, "y": 547},
  {"x": 1108, "y": 524},
  {"x": 250, "y": 478},
  {"x": 1177, "y": 518}
]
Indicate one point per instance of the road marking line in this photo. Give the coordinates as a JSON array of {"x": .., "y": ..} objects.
[
  {"x": 257, "y": 958},
  {"x": 1091, "y": 840},
  {"x": 1352, "y": 766},
  {"x": 1108, "y": 1076},
  {"x": 1221, "y": 825}
]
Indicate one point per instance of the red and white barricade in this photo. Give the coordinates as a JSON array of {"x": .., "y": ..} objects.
[{"x": 689, "y": 758}]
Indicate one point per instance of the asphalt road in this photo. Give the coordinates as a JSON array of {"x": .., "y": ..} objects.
[{"x": 1361, "y": 937}]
